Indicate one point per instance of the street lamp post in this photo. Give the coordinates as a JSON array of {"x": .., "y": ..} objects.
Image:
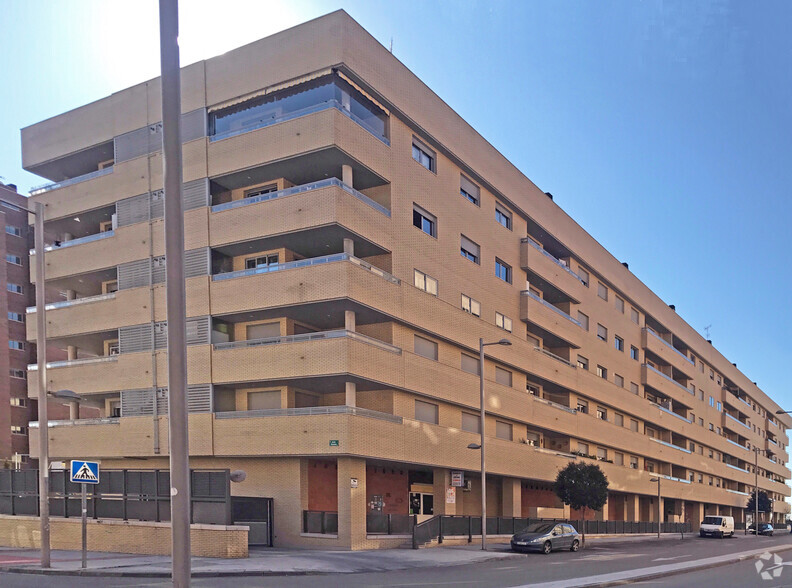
[
  {"x": 659, "y": 522},
  {"x": 480, "y": 446}
]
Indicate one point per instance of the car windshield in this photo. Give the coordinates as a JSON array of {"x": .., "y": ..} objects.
[
  {"x": 538, "y": 528},
  {"x": 711, "y": 521}
]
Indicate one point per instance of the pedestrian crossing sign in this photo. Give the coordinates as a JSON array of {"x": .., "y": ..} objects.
[{"x": 84, "y": 472}]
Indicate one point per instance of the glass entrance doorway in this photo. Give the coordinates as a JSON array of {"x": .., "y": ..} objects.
[{"x": 421, "y": 503}]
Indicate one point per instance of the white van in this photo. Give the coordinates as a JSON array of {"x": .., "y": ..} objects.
[{"x": 717, "y": 527}]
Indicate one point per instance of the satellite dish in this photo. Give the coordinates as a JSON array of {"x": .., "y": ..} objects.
[{"x": 238, "y": 476}]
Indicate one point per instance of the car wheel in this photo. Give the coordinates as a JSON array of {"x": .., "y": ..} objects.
[
  {"x": 547, "y": 547},
  {"x": 575, "y": 545}
]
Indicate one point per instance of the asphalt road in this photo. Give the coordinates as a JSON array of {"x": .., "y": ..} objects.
[{"x": 527, "y": 569}]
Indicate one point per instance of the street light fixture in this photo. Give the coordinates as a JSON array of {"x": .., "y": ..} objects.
[
  {"x": 480, "y": 446},
  {"x": 659, "y": 522}
]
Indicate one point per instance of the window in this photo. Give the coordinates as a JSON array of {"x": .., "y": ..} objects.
[
  {"x": 503, "y": 430},
  {"x": 582, "y": 362},
  {"x": 18, "y": 401},
  {"x": 719, "y": 407},
  {"x": 425, "y": 348},
  {"x": 15, "y": 373},
  {"x": 11, "y": 230},
  {"x": 633, "y": 462},
  {"x": 425, "y": 283},
  {"x": 634, "y": 388},
  {"x": 18, "y": 345},
  {"x": 15, "y": 259},
  {"x": 634, "y": 316},
  {"x": 618, "y": 419},
  {"x": 618, "y": 343},
  {"x": 712, "y": 375},
  {"x": 718, "y": 429},
  {"x": 711, "y": 454},
  {"x": 711, "y": 427},
  {"x": 469, "y": 249},
  {"x": 426, "y": 412},
  {"x": 602, "y": 413},
  {"x": 701, "y": 395},
  {"x": 701, "y": 422},
  {"x": 582, "y": 406},
  {"x": 503, "y": 216},
  {"x": 602, "y": 453},
  {"x": 533, "y": 389},
  {"x": 700, "y": 478},
  {"x": 268, "y": 189},
  {"x": 583, "y": 448},
  {"x": 470, "y": 305},
  {"x": 711, "y": 401},
  {"x": 503, "y": 271},
  {"x": 634, "y": 425},
  {"x": 425, "y": 221},
  {"x": 503, "y": 322},
  {"x": 423, "y": 155},
  {"x": 602, "y": 333},
  {"x": 470, "y": 364},
  {"x": 17, "y": 430},
  {"x": 16, "y": 316},
  {"x": 649, "y": 466},
  {"x": 618, "y": 380},
  {"x": 584, "y": 276},
  {"x": 602, "y": 372},
  {"x": 602, "y": 290},
  {"x": 619, "y": 304},
  {"x": 692, "y": 389},
  {"x": 692, "y": 447},
  {"x": 583, "y": 320},
  {"x": 503, "y": 376},
  {"x": 634, "y": 353},
  {"x": 532, "y": 439},
  {"x": 261, "y": 261},
  {"x": 471, "y": 422},
  {"x": 15, "y": 288},
  {"x": 618, "y": 458},
  {"x": 701, "y": 366},
  {"x": 469, "y": 190},
  {"x": 264, "y": 400}
]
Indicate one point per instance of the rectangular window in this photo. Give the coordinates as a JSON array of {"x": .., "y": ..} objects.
[
  {"x": 711, "y": 401},
  {"x": 471, "y": 422},
  {"x": 264, "y": 400},
  {"x": 618, "y": 343},
  {"x": 15, "y": 231},
  {"x": 426, "y": 412},
  {"x": 15, "y": 288},
  {"x": 633, "y": 462},
  {"x": 584, "y": 276},
  {"x": 634, "y": 316},
  {"x": 503, "y": 322},
  {"x": 261, "y": 190},
  {"x": 423, "y": 155},
  {"x": 18, "y": 345},
  {"x": 15, "y": 373},
  {"x": 470, "y": 364},
  {"x": 634, "y": 353},
  {"x": 503, "y": 271},
  {"x": 261, "y": 261},
  {"x": 719, "y": 406},
  {"x": 618, "y": 458},
  {"x": 701, "y": 422},
  {"x": 634, "y": 388},
  {"x": 17, "y": 430},
  {"x": 712, "y": 375},
  {"x": 692, "y": 389},
  {"x": 602, "y": 453},
  {"x": 470, "y": 305},
  {"x": 425, "y": 348},
  {"x": 583, "y": 320},
  {"x": 582, "y": 406},
  {"x": 602, "y": 372},
  {"x": 425, "y": 221},
  {"x": 619, "y": 304},
  {"x": 602, "y": 290},
  {"x": 634, "y": 425},
  {"x": 618, "y": 380},
  {"x": 15, "y": 259},
  {"x": 469, "y": 190},
  {"x": 16, "y": 316},
  {"x": 503, "y": 430},
  {"x": 18, "y": 401},
  {"x": 582, "y": 362},
  {"x": 503, "y": 216},
  {"x": 469, "y": 249},
  {"x": 602, "y": 413},
  {"x": 583, "y": 448},
  {"x": 618, "y": 419},
  {"x": 533, "y": 389},
  {"x": 503, "y": 376},
  {"x": 426, "y": 283},
  {"x": 602, "y": 333}
]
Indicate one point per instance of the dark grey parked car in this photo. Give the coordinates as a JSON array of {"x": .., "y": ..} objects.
[
  {"x": 764, "y": 529},
  {"x": 546, "y": 537}
]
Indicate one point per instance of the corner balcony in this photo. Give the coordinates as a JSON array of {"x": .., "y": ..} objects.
[
  {"x": 533, "y": 258},
  {"x": 651, "y": 341},
  {"x": 551, "y": 320},
  {"x": 735, "y": 424},
  {"x": 70, "y": 182},
  {"x": 656, "y": 379}
]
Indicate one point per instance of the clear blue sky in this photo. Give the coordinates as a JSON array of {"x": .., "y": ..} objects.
[{"x": 662, "y": 127}]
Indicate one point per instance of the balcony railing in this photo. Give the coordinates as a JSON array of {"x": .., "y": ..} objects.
[
  {"x": 672, "y": 413},
  {"x": 555, "y": 405},
  {"x": 308, "y": 337},
  {"x": 326, "y": 183},
  {"x": 556, "y": 357},
  {"x": 738, "y": 421},
  {"x": 669, "y": 344},
  {"x": 73, "y": 362},
  {"x": 297, "y": 114},
  {"x": 744, "y": 401},
  {"x": 737, "y": 492},
  {"x": 671, "y": 445},
  {"x": 734, "y": 467},
  {"x": 80, "y": 241},
  {"x": 551, "y": 257},
  {"x": 550, "y": 306},
  {"x": 772, "y": 441},
  {"x": 306, "y": 263},
  {"x": 737, "y": 444},
  {"x": 669, "y": 378},
  {"x": 672, "y": 478},
  {"x": 73, "y": 302},
  {"x": 78, "y": 423},
  {"x": 76, "y": 180},
  {"x": 310, "y": 411}
]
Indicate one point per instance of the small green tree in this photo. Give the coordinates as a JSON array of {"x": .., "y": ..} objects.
[
  {"x": 582, "y": 486},
  {"x": 765, "y": 504}
]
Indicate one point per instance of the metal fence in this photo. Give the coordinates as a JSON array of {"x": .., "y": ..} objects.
[
  {"x": 389, "y": 524},
  {"x": 320, "y": 522},
  {"x": 130, "y": 495}
]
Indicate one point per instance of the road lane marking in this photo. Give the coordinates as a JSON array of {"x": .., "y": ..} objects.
[{"x": 671, "y": 558}]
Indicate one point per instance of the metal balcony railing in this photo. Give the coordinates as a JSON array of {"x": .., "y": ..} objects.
[
  {"x": 734, "y": 467},
  {"x": 79, "y": 241},
  {"x": 76, "y": 180},
  {"x": 78, "y": 423},
  {"x": 556, "y": 357},
  {"x": 336, "y": 334},
  {"x": 551, "y": 307},
  {"x": 74, "y": 362},
  {"x": 326, "y": 183},
  {"x": 668, "y": 344},
  {"x": 73, "y": 302},
  {"x": 672, "y": 413},
  {"x": 669, "y": 378},
  {"x": 671, "y": 445},
  {"x": 738, "y": 421},
  {"x": 551, "y": 257},
  {"x": 737, "y": 444},
  {"x": 310, "y": 411},
  {"x": 555, "y": 404}
]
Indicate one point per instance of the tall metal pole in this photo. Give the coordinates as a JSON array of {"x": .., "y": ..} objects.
[
  {"x": 41, "y": 357},
  {"x": 659, "y": 519},
  {"x": 84, "y": 524},
  {"x": 483, "y": 466},
  {"x": 756, "y": 490},
  {"x": 175, "y": 294}
]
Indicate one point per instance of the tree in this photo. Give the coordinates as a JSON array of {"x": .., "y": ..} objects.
[
  {"x": 582, "y": 486},
  {"x": 765, "y": 504}
]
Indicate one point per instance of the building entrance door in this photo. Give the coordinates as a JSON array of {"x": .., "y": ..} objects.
[{"x": 421, "y": 503}]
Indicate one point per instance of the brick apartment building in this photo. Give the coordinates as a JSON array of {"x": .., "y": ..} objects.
[{"x": 349, "y": 238}]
